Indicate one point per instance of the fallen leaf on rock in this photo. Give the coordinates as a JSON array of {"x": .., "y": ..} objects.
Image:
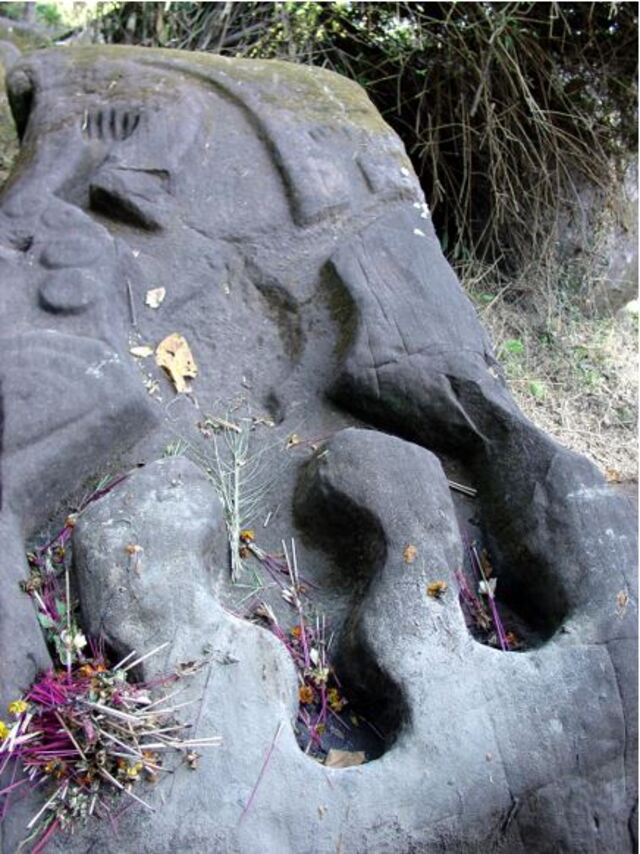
[
  {"x": 622, "y": 600},
  {"x": 188, "y": 668},
  {"x": 436, "y": 589},
  {"x": 152, "y": 386},
  {"x": 214, "y": 424},
  {"x": 410, "y": 553},
  {"x": 142, "y": 352},
  {"x": 264, "y": 420},
  {"x": 155, "y": 297},
  {"x": 344, "y": 758},
  {"x": 613, "y": 476},
  {"x": 173, "y": 354}
]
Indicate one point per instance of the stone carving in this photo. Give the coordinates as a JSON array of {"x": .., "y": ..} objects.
[{"x": 283, "y": 219}]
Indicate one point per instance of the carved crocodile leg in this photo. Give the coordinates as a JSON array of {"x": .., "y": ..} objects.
[
  {"x": 413, "y": 652},
  {"x": 420, "y": 364}
]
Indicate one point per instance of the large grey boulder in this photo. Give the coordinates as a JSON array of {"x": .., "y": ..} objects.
[{"x": 282, "y": 218}]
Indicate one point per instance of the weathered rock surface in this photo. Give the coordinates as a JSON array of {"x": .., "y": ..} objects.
[
  {"x": 282, "y": 218},
  {"x": 598, "y": 234}
]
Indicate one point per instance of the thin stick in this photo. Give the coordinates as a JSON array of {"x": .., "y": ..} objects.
[
  {"x": 68, "y": 732},
  {"x": 132, "y": 309},
  {"x": 131, "y": 750},
  {"x": 145, "y": 656},
  {"x": 126, "y": 658},
  {"x": 504, "y": 643},
  {"x": 262, "y": 772},
  {"x": 68, "y": 598},
  {"x": 109, "y": 711},
  {"x": 146, "y": 762},
  {"x": 163, "y": 699},
  {"x": 465, "y": 490},
  {"x": 46, "y": 806},
  {"x": 117, "y": 783},
  {"x": 157, "y": 711}
]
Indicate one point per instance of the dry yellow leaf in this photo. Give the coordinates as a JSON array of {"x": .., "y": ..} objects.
[
  {"x": 436, "y": 589},
  {"x": 622, "y": 600},
  {"x": 344, "y": 758},
  {"x": 155, "y": 297},
  {"x": 410, "y": 553},
  {"x": 133, "y": 548},
  {"x": 142, "y": 352},
  {"x": 613, "y": 476},
  {"x": 173, "y": 354}
]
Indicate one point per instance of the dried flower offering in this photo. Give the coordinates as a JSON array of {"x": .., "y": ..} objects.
[{"x": 85, "y": 734}]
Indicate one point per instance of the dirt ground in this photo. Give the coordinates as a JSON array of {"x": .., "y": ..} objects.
[{"x": 573, "y": 373}]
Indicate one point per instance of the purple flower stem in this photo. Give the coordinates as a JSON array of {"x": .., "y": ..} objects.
[
  {"x": 262, "y": 772},
  {"x": 504, "y": 644}
]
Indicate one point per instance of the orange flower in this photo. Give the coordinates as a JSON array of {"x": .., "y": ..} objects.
[
  {"x": 296, "y": 631},
  {"x": 91, "y": 669},
  {"x": 436, "y": 589},
  {"x": 305, "y": 694}
]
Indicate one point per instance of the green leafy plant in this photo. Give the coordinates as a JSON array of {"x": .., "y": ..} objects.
[
  {"x": 537, "y": 389},
  {"x": 513, "y": 346}
]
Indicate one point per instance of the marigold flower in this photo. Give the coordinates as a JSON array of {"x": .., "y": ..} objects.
[
  {"x": 296, "y": 631},
  {"x": 336, "y": 702},
  {"x": 55, "y": 767},
  {"x": 436, "y": 589},
  {"x": 91, "y": 669},
  {"x": 4, "y": 730},
  {"x": 305, "y": 694},
  {"x": 17, "y": 707}
]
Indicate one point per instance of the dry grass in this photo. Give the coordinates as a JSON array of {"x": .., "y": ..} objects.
[{"x": 573, "y": 374}]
